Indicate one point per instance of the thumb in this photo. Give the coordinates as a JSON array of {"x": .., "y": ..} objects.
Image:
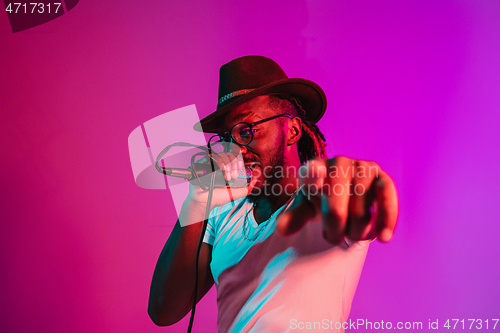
[
  {"x": 222, "y": 196},
  {"x": 240, "y": 192},
  {"x": 299, "y": 213}
]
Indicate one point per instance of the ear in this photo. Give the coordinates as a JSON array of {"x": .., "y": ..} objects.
[{"x": 294, "y": 131}]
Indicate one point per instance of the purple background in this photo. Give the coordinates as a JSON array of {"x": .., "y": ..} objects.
[{"x": 414, "y": 86}]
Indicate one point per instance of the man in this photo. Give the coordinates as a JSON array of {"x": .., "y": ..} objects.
[{"x": 275, "y": 267}]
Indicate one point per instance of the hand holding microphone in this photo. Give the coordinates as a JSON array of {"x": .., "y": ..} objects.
[
  {"x": 228, "y": 172},
  {"x": 228, "y": 166},
  {"x": 234, "y": 179}
]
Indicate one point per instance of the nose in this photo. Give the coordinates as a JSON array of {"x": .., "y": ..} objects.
[{"x": 243, "y": 150}]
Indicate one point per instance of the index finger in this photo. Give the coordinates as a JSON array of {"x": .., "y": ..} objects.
[{"x": 335, "y": 199}]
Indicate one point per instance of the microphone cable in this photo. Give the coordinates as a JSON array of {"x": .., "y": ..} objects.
[
  {"x": 203, "y": 230},
  {"x": 208, "y": 152}
]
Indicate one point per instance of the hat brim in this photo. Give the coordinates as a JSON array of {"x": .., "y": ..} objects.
[{"x": 310, "y": 95}]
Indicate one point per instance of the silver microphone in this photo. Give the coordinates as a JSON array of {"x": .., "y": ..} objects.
[{"x": 203, "y": 172}]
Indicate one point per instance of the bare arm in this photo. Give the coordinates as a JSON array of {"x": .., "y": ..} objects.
[{"x": 172, "y": 287}]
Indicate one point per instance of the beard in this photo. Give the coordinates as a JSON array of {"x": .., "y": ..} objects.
[{"x": 272, "y": 168}]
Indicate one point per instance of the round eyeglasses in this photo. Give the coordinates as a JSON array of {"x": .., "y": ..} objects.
[{"x": 242, "y": 133}]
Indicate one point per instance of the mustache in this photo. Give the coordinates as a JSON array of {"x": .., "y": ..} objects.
[
  {"x": 250, "y": 160},
  {"x": 249, "y": 157}
]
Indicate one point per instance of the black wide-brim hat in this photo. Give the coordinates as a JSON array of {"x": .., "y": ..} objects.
[{"x": 245, "y": 78}]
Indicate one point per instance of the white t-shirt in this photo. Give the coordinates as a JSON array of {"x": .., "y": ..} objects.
[{"x": 269, "y": 283}]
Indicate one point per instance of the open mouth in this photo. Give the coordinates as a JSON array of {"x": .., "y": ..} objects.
[{"x": 250, "y": 166}]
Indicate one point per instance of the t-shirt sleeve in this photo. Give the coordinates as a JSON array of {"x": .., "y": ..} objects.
[{"x": 209, "y": 237}]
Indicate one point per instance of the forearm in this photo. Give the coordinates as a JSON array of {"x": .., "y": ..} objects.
[{"x": 172, "y": 287}]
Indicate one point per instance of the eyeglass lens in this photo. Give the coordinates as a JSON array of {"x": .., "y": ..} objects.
[{"x": 242, "y": 133}]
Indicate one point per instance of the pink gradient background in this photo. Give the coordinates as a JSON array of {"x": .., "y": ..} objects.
[{"x": 414, "y": 86}]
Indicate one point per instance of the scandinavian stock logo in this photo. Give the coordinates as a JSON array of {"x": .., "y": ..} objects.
[{"x": 26, "y": 15}]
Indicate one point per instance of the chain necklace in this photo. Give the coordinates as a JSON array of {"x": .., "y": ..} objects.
[{"x": 262, "y": 226}]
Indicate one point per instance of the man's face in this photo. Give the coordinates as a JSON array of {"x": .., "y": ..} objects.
[{"x": 266, "y": 152}]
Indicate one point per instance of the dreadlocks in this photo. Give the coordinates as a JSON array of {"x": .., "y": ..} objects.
[{"x": 312, "y": 142}]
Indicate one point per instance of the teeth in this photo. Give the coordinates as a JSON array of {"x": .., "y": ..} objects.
[{"x": 250, "y": 166}]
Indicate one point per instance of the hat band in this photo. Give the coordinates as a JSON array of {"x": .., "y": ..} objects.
[{"x": 234, "y": 94}]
